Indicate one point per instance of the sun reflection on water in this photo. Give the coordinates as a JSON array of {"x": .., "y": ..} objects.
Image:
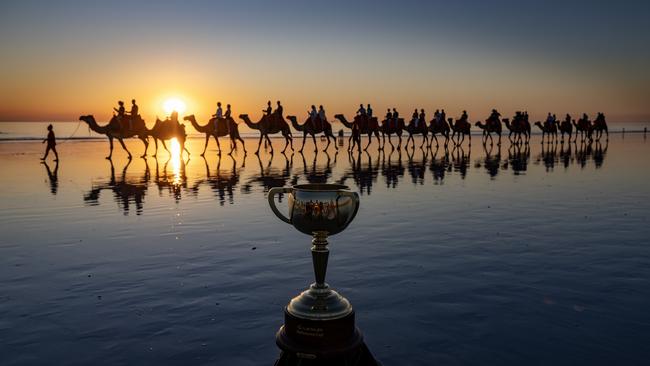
[{"x": 176, "y": 161}]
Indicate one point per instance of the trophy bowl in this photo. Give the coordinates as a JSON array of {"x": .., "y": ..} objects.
[{"x": 316, "y": 208}]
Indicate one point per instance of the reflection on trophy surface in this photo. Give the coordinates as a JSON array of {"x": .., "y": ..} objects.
[{"x": 319, "y": 323}]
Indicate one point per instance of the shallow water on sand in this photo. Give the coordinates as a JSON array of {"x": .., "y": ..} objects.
[{"x": 468, "y": 257}]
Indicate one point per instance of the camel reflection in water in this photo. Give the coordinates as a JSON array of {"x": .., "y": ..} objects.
[
  {"x": 492, "y": 160},
  {"x": 270, "y": 176},
  {"x": 364, "y": 175},
  {"x": 222, "y": 182},
  {"x": 126, "y": 191},
  {"x": 228, "y": 176}
]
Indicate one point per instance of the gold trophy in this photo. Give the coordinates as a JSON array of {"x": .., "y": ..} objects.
[{"x": 319, "y": 323}]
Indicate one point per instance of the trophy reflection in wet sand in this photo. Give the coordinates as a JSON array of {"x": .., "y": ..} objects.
[{"x": 319, "y": 324}]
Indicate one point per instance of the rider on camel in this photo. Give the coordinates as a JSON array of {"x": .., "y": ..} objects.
[
  {"x": 361, "y": 111},
  {"x": 389, "y": 117},
  {"x": 268, "y": 110},
  {"x": 313, "y": 115},
  {"x": 120, "y": 114},
  {"x": 322, "y": 117},
  {"x": 133, "y": 113},
  {"x": 227, "y": 117},
  {"x": 218, "y": 116},
  {"x": 422, "y": 117},
  {"x": 414, "y": 118},
  {"x": 395, "y": 117},
  {"x": 369, "y": 111}
]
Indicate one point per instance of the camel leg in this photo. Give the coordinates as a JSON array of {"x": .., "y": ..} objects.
[
  {"x": 328, "y": 142},
  {"x": 242, "y": 143},
  {"x": 268, "y": 139},
  {"x": 286, "y": 142},
  {"x": 205, "y": 147},
  {"x": 124, "y": 147},
  {"x": 304, "y": 137},
  {"x": 259, "y": 144},
  {"x": 216, "y": 138},
  {"x": 155, "y": 153},
  {"x": 233, "y": 145},
  {"x": 369, "y": 141},
  {"x": 110, "y": 143},
  {"x": 313, "y": 137},
  {"x": 165, "y": 146},
  {"x": 145, "y": 140}
]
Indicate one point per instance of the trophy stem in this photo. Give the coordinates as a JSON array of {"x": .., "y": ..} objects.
[{"x": 319, "y": 255}]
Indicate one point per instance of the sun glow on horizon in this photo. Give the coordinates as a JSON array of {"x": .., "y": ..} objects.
[{"x": 174, "y": 104}]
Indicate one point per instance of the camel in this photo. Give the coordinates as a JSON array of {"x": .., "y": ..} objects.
[
  {"x": 488, "y": 129},
  {"x": 267, "y": 126},
  {"x": 566, "y": 127},
  {"x": 584, "y": 127},
  {"x": 518, "y": 129},
  {"x": 312, "y": 129},
  {"x": 389, "y": 128},
  {"x": 112, "y": 130},
  {"x": 411, "y": 129},
  {"x": 167, "y": 130},
  {"x": 221, "y": 130},
  {"x": 599, "y": 126},
  {"x": 551, "y": 130},
  {"x": 365, "y": 127},
  {"x": 439, "y": 127},
  {"x": 461, "y": 127}
]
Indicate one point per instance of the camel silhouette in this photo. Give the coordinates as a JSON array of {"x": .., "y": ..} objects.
[
  {"x": 167, "y": 130},
  {"x": 389, "y": 128},
  {"x": 309, "y": 128},
  {"x": 566, "y": 127},
  {"x": 421, "y": 128},
  {"x": 217, "y": 131},
  {"x": 366, "y": 125},
  {"x": 268, "y": 126},
  {"x": 113, "y": 130},
  {"x": 550, "y": 130},
  {"x": 599, "y": 126},
  {"x": 488, "y": 129},
  {"x": 460, "y": 128},
  {"x": 519, "y": 129},
  {"x": 583, "y": 127},
  {"x": 439, "y": 127}
]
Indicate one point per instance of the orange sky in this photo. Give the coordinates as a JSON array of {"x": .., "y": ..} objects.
[{"x": 66, "y": 61}]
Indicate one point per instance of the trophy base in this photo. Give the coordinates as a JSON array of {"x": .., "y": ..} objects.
[{"x": 322, "y": 342}]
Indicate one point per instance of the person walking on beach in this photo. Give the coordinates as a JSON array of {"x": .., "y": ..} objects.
[{"x": 51, "y": 144}]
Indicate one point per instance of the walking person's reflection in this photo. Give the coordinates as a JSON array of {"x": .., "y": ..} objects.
[{"x": 53, "y": 177}]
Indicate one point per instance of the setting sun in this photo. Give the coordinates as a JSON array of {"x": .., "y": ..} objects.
[{"x": 174, "y": 104}]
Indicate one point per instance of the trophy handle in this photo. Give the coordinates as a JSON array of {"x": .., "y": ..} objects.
[
  {"x": 354, "y": 196},
  {"x": 271, "y": 196}
]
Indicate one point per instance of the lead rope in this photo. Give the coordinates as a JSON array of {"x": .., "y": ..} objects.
[{"x": 73, "y": 132}]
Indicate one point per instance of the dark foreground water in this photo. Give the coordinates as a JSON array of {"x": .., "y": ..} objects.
[{"x": 468, "y": 257}]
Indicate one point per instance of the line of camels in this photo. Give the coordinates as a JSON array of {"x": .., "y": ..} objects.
[{"x": 449, "y": 130}]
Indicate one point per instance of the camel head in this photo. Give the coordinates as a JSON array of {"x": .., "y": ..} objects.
[
  {"x": 479, "y": 124},
  {"x": 339, "y": 116},
  {"x": 88, "y": 119},
  {"x": 189, "y": 118},
  {"x": 292, "y": 118}
]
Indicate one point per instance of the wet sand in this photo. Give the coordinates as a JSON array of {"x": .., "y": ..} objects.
[{"x": 467, "y": 257}]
